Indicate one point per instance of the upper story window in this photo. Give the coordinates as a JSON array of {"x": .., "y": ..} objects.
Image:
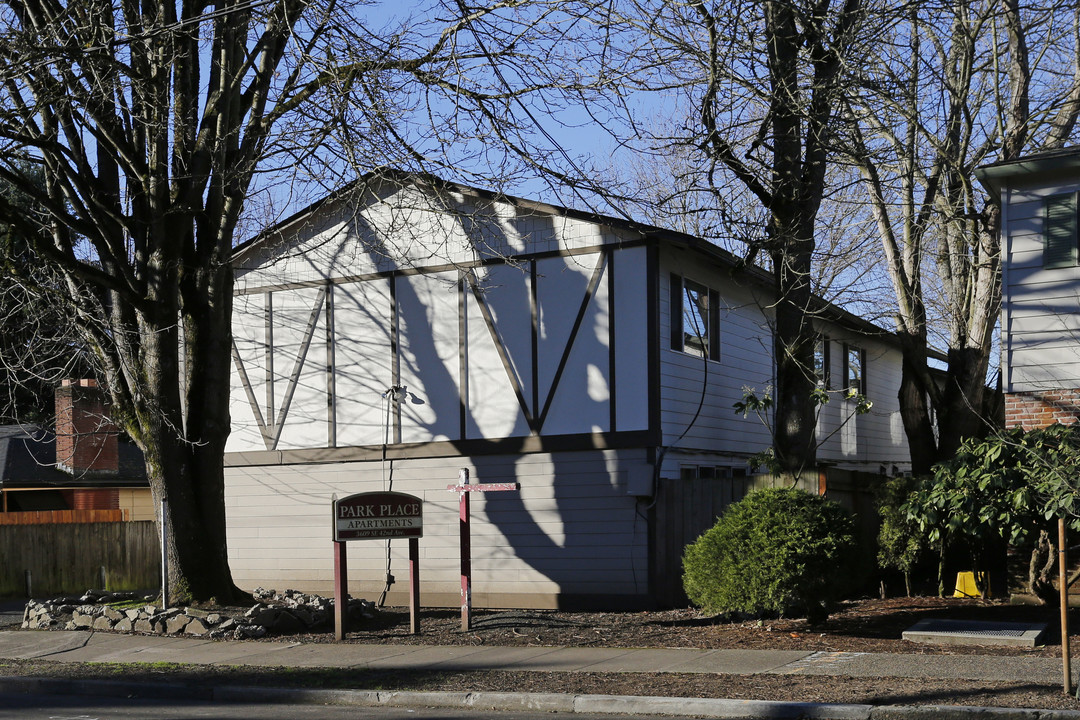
[
  {"x": 821, "y": 363},
  {"x": 695, "y": 320},
  {"x": 1060, "y": 249},
  {"x": 854, "y": 369}
]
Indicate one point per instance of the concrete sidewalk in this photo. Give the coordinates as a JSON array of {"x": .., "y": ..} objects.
[{"x": 86, "y": 646}]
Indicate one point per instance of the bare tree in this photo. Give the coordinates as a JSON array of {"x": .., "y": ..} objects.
[
  {"x": 153, "y": 123},
  {"x": 956, "y": 85},
  {"x": 758, "y": 88}
]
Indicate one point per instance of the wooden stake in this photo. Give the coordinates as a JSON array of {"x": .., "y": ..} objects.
[
  {"x": 341, "y": 591},
  {"x": 1063, "y": 583}
]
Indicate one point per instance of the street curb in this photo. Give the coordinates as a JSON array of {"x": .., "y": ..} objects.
[{"x": 543, "y": 702}]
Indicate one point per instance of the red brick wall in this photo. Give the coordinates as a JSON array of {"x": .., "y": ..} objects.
[
  {"x": 96, "y": 499},
  {"x": 86, "y": 441},
  {"x": 1040, "y": 408}
]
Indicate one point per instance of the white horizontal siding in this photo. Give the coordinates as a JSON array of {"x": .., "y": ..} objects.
[
  {"x": 1041, "y": 306},
  {"x": 572, "y": 528},
  {"x": 862, "y": 442}
]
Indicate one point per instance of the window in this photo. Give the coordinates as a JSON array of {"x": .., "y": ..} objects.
[
  {"x": 855, "y": 369},
  {"x": 821, "y": 363},
  {"x": 695, "y": 322},
  {"x": 1061, "y": 236},
  {"x": 711, "y": 472}
]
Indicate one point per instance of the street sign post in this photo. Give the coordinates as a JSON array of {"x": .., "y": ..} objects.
[{"x": 464, "y": 488}]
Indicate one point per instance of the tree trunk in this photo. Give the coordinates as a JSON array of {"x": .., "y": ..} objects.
[
  {"x": 796, "y": 196},
  {"x": 915, "y": 407},
  {"x": 960, "y": 410},
  {"x": 795, "y": 441},
  {"x": 1041, "y": 569}
]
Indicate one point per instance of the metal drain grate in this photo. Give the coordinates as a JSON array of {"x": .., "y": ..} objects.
[
  {"x": 968, "y": 627},
  {"x": 971, "y": 632}
]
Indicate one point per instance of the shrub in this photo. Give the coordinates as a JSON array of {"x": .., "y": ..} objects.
[
  {"x": 777, "y": 550},
  {"x": 900, "y": 541}
]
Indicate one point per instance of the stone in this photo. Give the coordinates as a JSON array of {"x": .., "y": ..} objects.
[
  {"x": 103, "y": 623},
  {"x": 302, "y": 614},
  {"x": 81, "y": 619},
  {"x": 144, "y": 626},
  {"x": 287, "y": 624},
  {"x": 124, "y": 625},
  {"x": 245, "y": 632},
  {"x": 176, "y": 624},
  {"x": 113, "y": 614},
  {"x": 196, "y": 627},
  {"x": 266, "y": 617}
]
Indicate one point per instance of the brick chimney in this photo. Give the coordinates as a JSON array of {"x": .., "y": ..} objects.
[{"x": 86, "y": 440}]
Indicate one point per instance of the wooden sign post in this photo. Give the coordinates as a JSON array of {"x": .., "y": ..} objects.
[
  {"x": 375, "y": 516},
  {"x": 463, "y": 488}
]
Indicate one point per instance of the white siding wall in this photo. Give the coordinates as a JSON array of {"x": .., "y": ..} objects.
[
  {"x": 745, "y": 362},
  {"x": 428, "y": 357},
  {"x": 1041, "y": 312},
  {"x": 494, "y": 409},
  {"x": 571, "y": 529},
  {"x": 423, "y": 312},
  {"x": 631, "y": 317},
  {"x": 363, "y": 365},
  {"x": 581, "y": 402},
  {"x": 863, "y": 442},
  {"x": 854, "y": 442}
]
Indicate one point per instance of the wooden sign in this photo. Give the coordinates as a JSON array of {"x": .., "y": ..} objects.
[
  {"x": 372, "y": 516},
  {"x": 378, "y": 515}
]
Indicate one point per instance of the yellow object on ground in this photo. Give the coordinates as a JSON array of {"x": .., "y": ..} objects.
[{"x": 965, "y": 585}]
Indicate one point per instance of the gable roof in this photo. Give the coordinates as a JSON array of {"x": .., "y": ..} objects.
[{"x": 277, "y": 233}]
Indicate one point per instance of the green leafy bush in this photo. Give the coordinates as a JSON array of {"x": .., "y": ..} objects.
[
  {"x": 777, "y": 550},
  {"x": 900, "y": 541}
]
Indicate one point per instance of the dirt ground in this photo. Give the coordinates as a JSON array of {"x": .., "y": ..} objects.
[
  {"x": 868, "y": 625},
  {"x": 858, "y": 626}
]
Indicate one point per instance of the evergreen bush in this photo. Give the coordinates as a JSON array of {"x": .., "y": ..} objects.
[{"x": 778, "y": 550}]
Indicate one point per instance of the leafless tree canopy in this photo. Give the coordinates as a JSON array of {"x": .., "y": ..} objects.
[{"x": 154, "y": 123}]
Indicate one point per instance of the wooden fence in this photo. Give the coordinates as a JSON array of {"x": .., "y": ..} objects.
[
  {"x": 45, "y": 517},
  {"x": 685, "y": 508},
  {"x": 69, "y": 557}
]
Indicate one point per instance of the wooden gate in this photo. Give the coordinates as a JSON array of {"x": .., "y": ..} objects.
[{"x": 684, "y": 509}]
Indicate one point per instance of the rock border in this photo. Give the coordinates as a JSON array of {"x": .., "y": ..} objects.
[{"x": 288, "y": 613}]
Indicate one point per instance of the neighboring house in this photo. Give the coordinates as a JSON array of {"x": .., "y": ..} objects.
[
  {"x": 1040, "y": 310},
  {"x": 83, "y": 466},
  {"x": 404, "y": 328}
]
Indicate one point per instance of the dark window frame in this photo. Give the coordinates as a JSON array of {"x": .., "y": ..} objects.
[
  {"x": 823, "y": 372},
  {"x": 860, "y": 386},
  {"x": 680, "y": 287},
  {"x": 1061, "y": 239}
]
